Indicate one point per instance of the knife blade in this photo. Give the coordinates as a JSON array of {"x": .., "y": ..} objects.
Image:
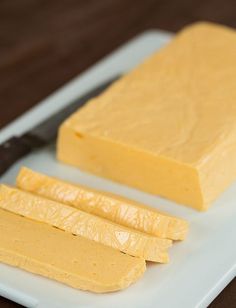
[{"x": 44, "y": 133}]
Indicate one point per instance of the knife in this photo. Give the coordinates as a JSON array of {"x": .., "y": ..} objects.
[{"x": 44, "y": 133}]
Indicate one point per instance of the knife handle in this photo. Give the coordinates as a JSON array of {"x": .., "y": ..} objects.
[{"x": 15, "y": 148}]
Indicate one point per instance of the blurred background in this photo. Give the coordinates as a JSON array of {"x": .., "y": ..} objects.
[{"x": 44, "y": 44}]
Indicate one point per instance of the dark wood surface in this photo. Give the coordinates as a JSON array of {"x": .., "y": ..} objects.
[{"x": 44, "y": 44}]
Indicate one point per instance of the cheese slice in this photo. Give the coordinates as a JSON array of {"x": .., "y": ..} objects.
[
  {"x": 81, "y": 223},
  {"x": 109, "y": 206},
  {"x": 169, "y": 126},
  {"x": 73, "y": 260}
]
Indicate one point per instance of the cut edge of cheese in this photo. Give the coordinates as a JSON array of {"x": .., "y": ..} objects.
[
  {"x": 109, "y": 206},
  {"x": 80, "y": 263},
  {"x": 79, "y": 150},
  {"x": 77, "y": 222}
]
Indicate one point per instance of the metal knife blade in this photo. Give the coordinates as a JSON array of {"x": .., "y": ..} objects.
[{"x": 44, "y": 133}]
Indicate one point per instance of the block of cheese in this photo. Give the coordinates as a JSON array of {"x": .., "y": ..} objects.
[
  {"x": 106, "y": 205},
  {"x": 77, "y": 222},
  {"x": 169, "y": 126},
  {"x": 73, "y": 260}
]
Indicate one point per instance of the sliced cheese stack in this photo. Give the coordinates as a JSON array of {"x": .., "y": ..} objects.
[
  {"x": 119, "y": 210},
  {"x": 169, "y": 126},
  {"x": 49, "y": 227},
  {"x": 67, "y": 218},
  {"x": 74, "y": 260}
]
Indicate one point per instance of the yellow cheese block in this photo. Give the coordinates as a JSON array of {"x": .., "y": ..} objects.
[
  {"x": 109, "y": 206},
  {"x": 169, "y": 126},
  {"x": 73, "y": 260},
  {"x": 87, "y": 225}
]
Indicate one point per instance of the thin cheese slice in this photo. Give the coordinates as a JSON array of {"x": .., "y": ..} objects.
[
  {"x": 73, "y": 260},
  {"x": 119, "y": 210},
  {"x": 169, "y": 126},
  {"x": 78, "y": 222}
]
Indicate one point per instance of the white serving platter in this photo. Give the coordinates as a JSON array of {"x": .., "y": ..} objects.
[{"x": 200, "y": 267}]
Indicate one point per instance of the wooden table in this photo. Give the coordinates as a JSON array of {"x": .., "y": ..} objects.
[{"x": 43, "y": 44}]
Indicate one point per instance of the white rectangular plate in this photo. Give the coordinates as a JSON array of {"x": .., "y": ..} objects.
[{"x": 200, "y": 267}]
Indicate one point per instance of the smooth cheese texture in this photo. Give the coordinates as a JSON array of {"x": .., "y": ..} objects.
[
  {"x": 169, "y": 126},
  {"x": 109, "y": 206},
  {"x": 73, "y": 260},
  {"x": 80, "y": 223}
]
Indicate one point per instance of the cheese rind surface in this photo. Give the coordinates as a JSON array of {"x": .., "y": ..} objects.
[
  {"x": 169, "y": 126},
  {"x": 108, "y": 206},
  {"x": 81, "y": 223},
  {"x": 73, "y": 260}
]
